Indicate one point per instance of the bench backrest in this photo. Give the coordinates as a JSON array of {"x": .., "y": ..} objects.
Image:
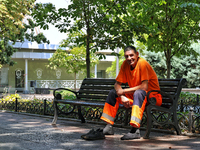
[
  {"x": 173, "y": 88},
  {"x": 98, "y": 89}
]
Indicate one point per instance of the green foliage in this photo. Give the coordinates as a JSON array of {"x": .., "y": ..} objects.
[
  {"x": 13, "y": 28},
  {"x": 157, "y": 62},
  {"x": 12, "y": 13},
  {"x": 6, "y": 51},
  {"x": 188, "y": 98},
  {"x": 187, "y": 95},
  {"x": 12, "y": 97},
  {"x": 112, "y": 69},
  {"x": 67, "y": 94},
  {"x": 28, "y": 33},
  {"x": 187, "y": 67},
  {"x": 73, "y": 60},
  {"x": 166, "y": 26},
  {"x": 100, "y": 19},
  {"x": 182, "y": 67}
]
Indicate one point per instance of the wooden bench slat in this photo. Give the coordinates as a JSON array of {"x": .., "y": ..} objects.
[
  {"x": 170, "y": 93},
  {"x": 99, "y": 82},
  {"x": 168, "y": 83},
  {"x": 166, "y": 105},
  {"x": 94, "y": 97},
  {"x": 86, "y": 102},
  {"x": 166, "y": 100},
  {"x": 82, "y": 103},
  {"x": 105, "y": 92},
  {"x": 84, "y": 87},
  {"x": 168, "y": 89},
  {"x": 93, "y": 80},
  {"x": 177, "y": 80}
]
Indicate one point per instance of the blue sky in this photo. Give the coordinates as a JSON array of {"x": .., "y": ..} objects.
[{"x": 53, "y": 35}]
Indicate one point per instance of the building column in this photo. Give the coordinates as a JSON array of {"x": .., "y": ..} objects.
[
  {"x": 117, "y": 62},
  {"x": 26, "y": 78},
  {"x": 95, "y": 71}
]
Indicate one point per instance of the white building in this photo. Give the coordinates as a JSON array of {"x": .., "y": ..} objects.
[{"x": 32, "y": 59}]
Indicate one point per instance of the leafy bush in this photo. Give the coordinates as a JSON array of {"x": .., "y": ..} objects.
[
  {"x": 67, "y": 94},
  {"x": 181, "y": 67},
  {"x": 12, "y": 97},
  {"x": 187, "y": 95},
  {"x": 188, "y": 98}
]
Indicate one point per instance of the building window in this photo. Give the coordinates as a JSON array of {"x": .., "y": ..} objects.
[{"x": 100, "y": 73}]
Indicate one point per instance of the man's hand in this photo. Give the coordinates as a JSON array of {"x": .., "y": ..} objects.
[
  {"x": 125, "y": 101},
  {"x": 120, "y": 92}
]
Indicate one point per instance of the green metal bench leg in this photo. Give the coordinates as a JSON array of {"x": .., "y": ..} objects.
[
  {"x": 176, "y": 126},
  {"x": 80, "y": 115},
  {"x": 149, "y": 123}
]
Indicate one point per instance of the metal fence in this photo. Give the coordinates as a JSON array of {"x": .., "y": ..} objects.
[{"x": 188, "y": 114}]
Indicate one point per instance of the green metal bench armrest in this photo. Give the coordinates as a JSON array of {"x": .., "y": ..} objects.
[{"x": 152, "y": 100}]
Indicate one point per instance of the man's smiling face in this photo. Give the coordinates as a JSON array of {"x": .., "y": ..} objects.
[{"x": 131, "y": 57}]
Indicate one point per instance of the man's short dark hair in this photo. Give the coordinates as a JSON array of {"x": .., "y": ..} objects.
[{"x": 128, "y": 48}]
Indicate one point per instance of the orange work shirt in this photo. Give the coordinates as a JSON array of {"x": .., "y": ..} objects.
[{"x": 142, "y": 71}]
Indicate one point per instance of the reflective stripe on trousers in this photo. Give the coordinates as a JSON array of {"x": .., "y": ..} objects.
[{"x": 112, "y": 105}]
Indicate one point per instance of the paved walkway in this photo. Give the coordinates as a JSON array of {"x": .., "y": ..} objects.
[{"x": 28, "y": 132}]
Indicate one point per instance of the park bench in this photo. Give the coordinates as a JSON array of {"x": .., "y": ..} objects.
[{"x": 93, "y": 93}]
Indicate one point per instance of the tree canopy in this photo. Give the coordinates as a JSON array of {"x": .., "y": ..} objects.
[
  {"x": 11, "y": 15},
  {"x": 182, "y": 67},
  {"x": 73, "y": 61},
  {"x": 101, "y": 21},
  {"x": 14, "y": 27},
  {"x": 168, "y": 26}
]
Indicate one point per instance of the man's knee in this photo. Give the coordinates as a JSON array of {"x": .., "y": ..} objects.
[
  {"x": 140, "y": 93},
  {"x": 111, "y": 99},
  {"x": 139, "y": 96},
  {"x": 112, "y": 92}
]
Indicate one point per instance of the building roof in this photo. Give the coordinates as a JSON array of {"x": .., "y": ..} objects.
[{"x": 46, "y": 47}]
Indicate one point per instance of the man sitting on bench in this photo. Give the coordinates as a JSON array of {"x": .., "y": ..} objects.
[{"x": 141, "y": 78}]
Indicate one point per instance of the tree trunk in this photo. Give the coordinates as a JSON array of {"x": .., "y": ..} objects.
[
  {"x": 87, "y": 20},
  {"x": 168, "y": 68},
  {"x": 168, "y": 62},
  {"x": 75, "y": 81},
  {"x": 88, "y": 60}
]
